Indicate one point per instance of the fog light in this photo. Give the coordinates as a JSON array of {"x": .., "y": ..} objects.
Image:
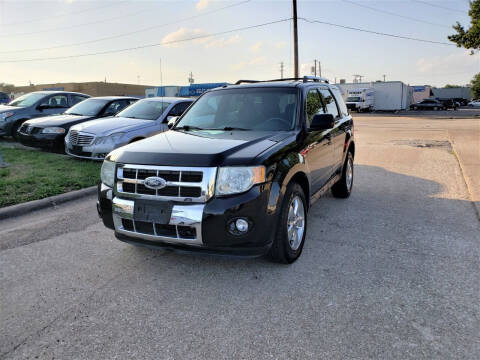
[{"x": 241, "y": 225}]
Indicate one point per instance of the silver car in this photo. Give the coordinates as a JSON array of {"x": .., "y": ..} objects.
[{"x": 95, "y": 139}]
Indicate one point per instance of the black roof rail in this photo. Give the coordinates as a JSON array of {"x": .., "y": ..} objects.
[{"x": 304, "y": 79}]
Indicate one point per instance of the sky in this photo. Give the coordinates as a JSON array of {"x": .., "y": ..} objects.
[{"x": 55, "y": 36}]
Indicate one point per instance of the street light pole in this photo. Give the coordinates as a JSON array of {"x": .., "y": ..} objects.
[{"x": 295, "y": 39}]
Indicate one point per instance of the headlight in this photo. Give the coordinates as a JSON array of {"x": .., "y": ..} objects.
[
  {"x": 5, "y": 115},
  {"x": 53, "y": 130},
  {"x": 113, "y": 139},
  {"x": 234, "y": 180},
  {"x": 107, "y": 173}
]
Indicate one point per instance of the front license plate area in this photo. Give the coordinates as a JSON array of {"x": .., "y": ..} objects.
[
  {"x": 158, "y": 212},
  {"x": 77, "y": 148}
]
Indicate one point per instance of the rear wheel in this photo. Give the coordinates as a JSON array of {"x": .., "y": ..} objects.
[
  {"x": 291, "y": 231},
  {"x": 343, "y": 188},
  {"x": 435, "y": 108},
  {"x": 15, "y": 128}
]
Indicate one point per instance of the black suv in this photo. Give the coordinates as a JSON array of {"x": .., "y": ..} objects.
[{"x": 236, "y": 173}]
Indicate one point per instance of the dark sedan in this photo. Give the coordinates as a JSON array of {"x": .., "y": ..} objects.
[
  {"x": 428, "y": 104},
  {"x": 50, "y": 131}
]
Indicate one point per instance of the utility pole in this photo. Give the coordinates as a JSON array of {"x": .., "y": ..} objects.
[
  {"x": 281, "y": 70},
  {"x": 319, "y": 68},
  {"x": 384, "y": 78},
  {"x": 315, "y": 62},
  {"x": 295, "y": 39}
]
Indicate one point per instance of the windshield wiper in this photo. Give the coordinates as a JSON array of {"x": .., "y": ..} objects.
[
  {"x": 75, "y": 114},
  {"x": 189, "y": 127},
  {"x": 230, "y": 128}
]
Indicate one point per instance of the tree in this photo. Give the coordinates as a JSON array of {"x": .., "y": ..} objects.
[
  {"x": 476, "y": 86},
  {"x": 450, "y": 86},
  {"x": 469, "y": 38}
]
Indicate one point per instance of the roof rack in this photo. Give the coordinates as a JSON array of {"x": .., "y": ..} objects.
[{"x": 306, "y": 78}]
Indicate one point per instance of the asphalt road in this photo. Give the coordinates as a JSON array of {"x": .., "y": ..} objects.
[{"x": 390, "y": 273}]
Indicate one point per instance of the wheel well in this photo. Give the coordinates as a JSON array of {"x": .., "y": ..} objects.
[
  {"x": 136, "y": 139},
  {"x": 301, "y": 179},
  {"x": 351, "y": 148}
]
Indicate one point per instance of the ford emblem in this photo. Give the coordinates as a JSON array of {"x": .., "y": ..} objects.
[{"x": 155, "y": 183}]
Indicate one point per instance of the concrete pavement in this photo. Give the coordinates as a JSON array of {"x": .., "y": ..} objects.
[{"x": 391, "y": 272}]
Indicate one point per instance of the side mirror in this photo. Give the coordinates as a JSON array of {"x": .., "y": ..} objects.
[
  {"x": 322, "y": 122},
  {"x": 171, "y": 120},
  {"x": 42, "y": 107}
]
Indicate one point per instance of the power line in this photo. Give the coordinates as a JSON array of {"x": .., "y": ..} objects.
[
  {"x": 377, "y": 32},
  {"x": 440, "y": 6},
  {"x": 148, "y": 45},
  {"x": 113, "y": 3},
  {"x": 395, "y": 14},
  {"x": 128, "y": 33}
]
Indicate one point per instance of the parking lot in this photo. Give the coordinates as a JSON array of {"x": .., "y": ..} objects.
[{"x": 391, "y": 272}]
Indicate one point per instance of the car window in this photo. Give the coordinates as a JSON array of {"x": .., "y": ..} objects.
[
  {"x": 77, "y": 98},
  {"x": 27, "y": 100},
  {"x": 145, "y": 109},
  {"x": 313, "y": 105},
  {"x": 261, "y": 109},
  {"x": 178, "y": 109},
  {"x": 88, "y": 107},
  {"x": 329, "y": 102},
  {"x": 340, "y": 102},
  {"x": 56, "y": 101},
  {"x": 115, "y": 107}
]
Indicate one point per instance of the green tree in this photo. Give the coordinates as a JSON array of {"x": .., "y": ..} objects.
[
  {"x": 476, "y": 86},
  {"x": 450, "y": 86},
  {"x": 469, "y": 38}
]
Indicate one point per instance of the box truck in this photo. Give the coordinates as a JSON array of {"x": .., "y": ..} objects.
[{"x": 360, "y": 99}]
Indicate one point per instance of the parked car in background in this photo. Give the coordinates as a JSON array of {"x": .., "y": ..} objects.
[
  {"x": 428, "y": 104},
  {"x": 49, "y": 131},
  {"x": 4, "y": 98},
  {"x": 450, "y": 104},
  {"x": 236, "y": 173},
  {"x": 474, "y": 103},
  {"x": 35, "y": 104},
  {"x": 95, "y": 139}
]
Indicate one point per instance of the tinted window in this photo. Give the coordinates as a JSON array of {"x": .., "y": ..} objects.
[
  {"x": 145, "y": 109},
  {"x": 27, "y": 100},
  {"x": 178, "y": 109},
  {"x": 268, "y": 109},
  {"x": 329, "y": 102},
  {"x": 340, "y": 102},
  {"x": 313, "y": 105},
  {"x": 56, "y": 101},
  {"x": 116, "y": 106},
  {"x": 89, "y": 107},
  {"x": 77, "y": 98}
]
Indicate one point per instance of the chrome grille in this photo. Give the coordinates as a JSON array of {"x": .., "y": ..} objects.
[
  {"x": 78, "y": 138},
  {"x": 182, "y": 184}
]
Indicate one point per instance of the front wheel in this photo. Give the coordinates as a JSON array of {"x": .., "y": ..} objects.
[
  {"x": 343, "y": 188},
  {"x": 291, "y": 231}
]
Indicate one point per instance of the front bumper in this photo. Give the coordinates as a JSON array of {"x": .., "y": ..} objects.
[
  {"x": 207, "y": 221},
  {"x": 92, "y": 152},
  {"x": 41, "y": 140}
]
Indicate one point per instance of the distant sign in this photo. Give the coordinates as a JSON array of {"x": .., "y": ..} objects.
[
  {"x": 54, "y": 89},
  {"x": 418, "y": 88}
]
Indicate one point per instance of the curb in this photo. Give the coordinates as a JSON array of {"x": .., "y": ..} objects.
[{"x": 52, "y": 201}]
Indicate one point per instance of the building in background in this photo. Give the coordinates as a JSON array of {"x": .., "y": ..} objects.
[
  {"x": 421, "y": 92},
  {"x": 99, "y": 88},
  {"x": 388, "y": 95}
]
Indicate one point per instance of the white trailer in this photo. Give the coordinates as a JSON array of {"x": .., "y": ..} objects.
[
  {"x": 389, "y": 95},
  {"x": 360, "y": 99}
]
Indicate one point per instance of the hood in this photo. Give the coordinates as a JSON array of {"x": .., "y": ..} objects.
[
  {"x": 63, "y": 120},
  {"x": 205, "y": 148},
  {"x": 111, "y": 125},
  {"x": 5, "y": 108}
]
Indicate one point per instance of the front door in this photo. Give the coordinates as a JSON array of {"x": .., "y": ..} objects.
[{"x": 318, "y": 146}]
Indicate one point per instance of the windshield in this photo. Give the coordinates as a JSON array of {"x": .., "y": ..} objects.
[
  {"x": 89, "y": 107},
  {"x": 354, "y": 99},
  {"x": 145, "y": 109},
  {"x": 26, "y": 100},
  {"x": 267, "y": 109}
]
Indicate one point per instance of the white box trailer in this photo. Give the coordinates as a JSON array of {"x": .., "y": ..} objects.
[{"x": 389, "y": 95}]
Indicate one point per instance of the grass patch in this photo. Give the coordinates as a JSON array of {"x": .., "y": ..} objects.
[{"x": 33, "y": 175}]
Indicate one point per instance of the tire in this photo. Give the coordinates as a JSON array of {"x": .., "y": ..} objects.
[
  {"x": 286, "y": 249},
  {"x": 435, "y": 108},
  {"x": 343, "y": 187},
  {"x": 15, "y": 128},
  {"x": 415, "y": 108}
]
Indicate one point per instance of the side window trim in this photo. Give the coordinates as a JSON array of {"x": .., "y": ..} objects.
[{"x": 339, "y": 113}]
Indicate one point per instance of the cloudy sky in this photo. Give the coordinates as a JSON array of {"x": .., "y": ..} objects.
[{"x": 58, "y": 36}]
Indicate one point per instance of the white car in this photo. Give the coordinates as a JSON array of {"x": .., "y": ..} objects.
[
  {"x": 95, "y": 139},
  {"x": 474, "y": 103}
]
